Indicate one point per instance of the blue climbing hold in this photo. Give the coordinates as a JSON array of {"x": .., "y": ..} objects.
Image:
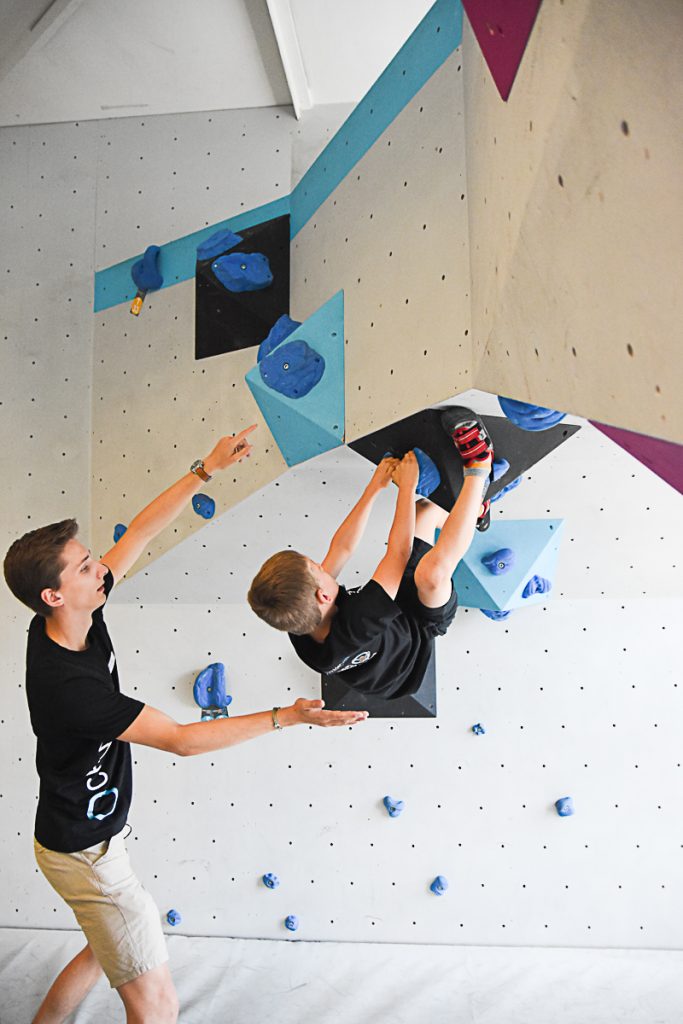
[
  {"x": 281, "y": 329},
  {"x": 203, "y": 505},
  {"x": 439, "y": 885},
  {"x": 508, "y": 487},
  {"x": 429, "y": 478},
  {"x": 292, "y": 922},
  {"x": 243, "y": 271},
  {"x": 565, "y": 806},
  {"x": 528, "y": 416},
  {"x": 119, "y": 531},
  {"x": 500, "y": 468},
  {"x": 499, "y": 562},
  {"x": 537, "y": 585},
  {"x": 209, "y": 687},
  {"x": 173, "y": 917},
  {"x": 217, "y": 243},
  {"x": 394, "y": 807},
  {"x": 478, "y": 729},
  {"x": 497, "y": 616},
  {"x": 271, "y": 881},
  {"x": 293, "y": 369},
  {"x": 145, "y": 272}
]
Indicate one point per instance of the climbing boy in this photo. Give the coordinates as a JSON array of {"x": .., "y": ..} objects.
[{"x": 379, "y": 638}]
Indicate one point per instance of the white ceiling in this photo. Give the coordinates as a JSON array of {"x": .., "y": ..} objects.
[{"x": 73, "y": 60}]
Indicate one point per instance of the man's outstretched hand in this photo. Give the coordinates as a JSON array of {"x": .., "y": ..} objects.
[
  {"x": 230, "y": 449},
  {"x": 311, "y": 712}
]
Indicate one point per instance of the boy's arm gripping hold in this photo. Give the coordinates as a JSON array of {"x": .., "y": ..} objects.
[
  {"x": 349, "y": 534},
  {"x": 390, "y": 570}
]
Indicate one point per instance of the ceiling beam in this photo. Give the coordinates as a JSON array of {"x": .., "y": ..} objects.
[
  {"x": 26, "y": 25},
  {"x": 290, "y": 53}
]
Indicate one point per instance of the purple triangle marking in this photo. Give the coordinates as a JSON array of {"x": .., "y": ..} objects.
[
  {"x": 502, "y": 28},
  {"x": 665, "y": 458}
]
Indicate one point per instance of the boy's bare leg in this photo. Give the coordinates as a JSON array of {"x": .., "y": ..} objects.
[
  {"x": 151, "y": 998},
  {"x": 70, "y": 988},
  {"x": 428, "y": 518},
  {"x": 435, "y": 569}
]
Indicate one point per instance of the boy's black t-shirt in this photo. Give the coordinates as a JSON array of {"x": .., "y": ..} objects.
[
  {"x": 373, "y": 646},
  {"x": 77, "y": 711}
]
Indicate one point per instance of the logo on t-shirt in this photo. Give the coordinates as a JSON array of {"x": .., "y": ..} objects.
[
  {"x": 358, "y": 659},
  {"x": 103, "y": 801}
]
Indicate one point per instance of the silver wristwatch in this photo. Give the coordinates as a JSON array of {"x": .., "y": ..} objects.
[{"x": 197, "y": 468}]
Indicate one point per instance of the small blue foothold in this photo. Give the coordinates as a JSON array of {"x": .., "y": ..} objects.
[
  {"x": 439, "y": 885},
  {"x": 292, "y": 369},
  {"x": 292, "y": 922},
  {"x": 500, "y": 468},
  {"x": 243, "y": 271},
  {"x": 173, "y": 917},
  {"x": 537, "y": 585},
  {"x": 280, "y": 330},
  {"x": 203, "y": 505},
  {"x": 508, "y": 487},
  {"x": 218, "y": 242},
  {"x": 271, "y": 881},
  {"x": 145, "y": 272},
  {"x": 499, "y": 562},
  {"x": 478, "y": 729},
  {"x": 565, "y": 806},
  {"x": 492, "y": 613},
  {"x": 394, "y": 807},
  {"x": 119, "y": 531},
  {"x": 528, "y": 416},
  {"x": 429, "y": 478},
  {"x": 209, "y": 687}
]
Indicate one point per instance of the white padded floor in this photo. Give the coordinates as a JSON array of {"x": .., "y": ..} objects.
[{"x": 257, "y": 981}]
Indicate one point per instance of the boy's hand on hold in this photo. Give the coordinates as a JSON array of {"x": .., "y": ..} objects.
[
  {"x": 407, "y": 472},
  {"x": 384, "y": 473},
  {"x": 311, "y": 712},
  {"x": 230, "y": 449}
]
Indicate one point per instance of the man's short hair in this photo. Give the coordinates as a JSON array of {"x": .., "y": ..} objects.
[
  {"x": 35, "y": 562},
  {"x": 283, "y": 593}
]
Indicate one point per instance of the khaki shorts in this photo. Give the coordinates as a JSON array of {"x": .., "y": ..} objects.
[{"x": 118, "y": 916}]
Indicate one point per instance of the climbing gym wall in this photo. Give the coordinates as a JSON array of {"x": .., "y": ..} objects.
[
  {"x": 574, "y": 185},
  {"x": 566, "y": 692},
  {"x": 382, "y": 213},
  {"x": 156, "y": 408},
  {"x": 46, "y": 219}
]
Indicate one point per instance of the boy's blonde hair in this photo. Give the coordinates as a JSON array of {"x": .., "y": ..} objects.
[{"x": 283, "y": 593}]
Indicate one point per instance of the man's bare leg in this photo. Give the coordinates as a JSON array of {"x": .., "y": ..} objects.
[
  {"x": 69, "y": 988},
  {"x": 435, "y": 569},
  {"x": 151, "y": 998}
]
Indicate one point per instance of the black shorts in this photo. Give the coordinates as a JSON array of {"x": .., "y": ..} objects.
[{"x": 434, "y": 621}]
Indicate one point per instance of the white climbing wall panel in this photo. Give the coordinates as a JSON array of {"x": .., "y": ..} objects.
[
  {"x": 156, "y": 409},
  {"x": 580, "y": 697}
]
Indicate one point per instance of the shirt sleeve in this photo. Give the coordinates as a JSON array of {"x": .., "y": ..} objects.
[{"x": 81, "y": 709}]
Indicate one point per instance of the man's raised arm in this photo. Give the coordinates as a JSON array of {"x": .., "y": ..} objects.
[{"x": 164, "y": 509}]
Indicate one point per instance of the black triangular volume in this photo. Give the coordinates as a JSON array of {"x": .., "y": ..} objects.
[
  {"x": 226, "y": 321},
  {"x": 522, "y": 448},
  {"x": 422, "y": 704}
]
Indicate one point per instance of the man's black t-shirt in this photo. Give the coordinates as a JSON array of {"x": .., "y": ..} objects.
[
  {"x": 77, "y": 712},
  {"x": 373, "y": 646}
]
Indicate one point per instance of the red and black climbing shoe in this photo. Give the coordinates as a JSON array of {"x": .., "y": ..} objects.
[
  {"x": 472, "y": 440},
  {"x": 468, "y": 433}
]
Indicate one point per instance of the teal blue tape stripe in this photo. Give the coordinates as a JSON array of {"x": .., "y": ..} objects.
[
  {"x": 436, "y": 37},
  {"x": 178, "y": 258}
]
